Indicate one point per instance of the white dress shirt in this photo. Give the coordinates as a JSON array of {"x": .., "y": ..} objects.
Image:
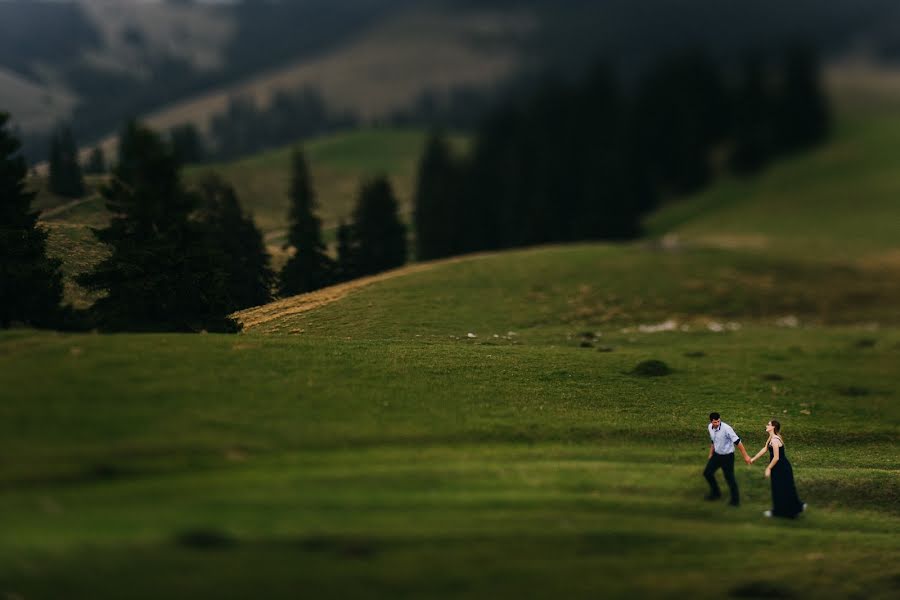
[{"x": 723, "y": 438}]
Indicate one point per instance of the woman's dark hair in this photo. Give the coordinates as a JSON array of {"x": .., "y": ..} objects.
[{"x": 776, "y": 425}]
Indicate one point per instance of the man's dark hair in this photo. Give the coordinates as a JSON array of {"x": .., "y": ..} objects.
[{"x": 713, "y": 416}]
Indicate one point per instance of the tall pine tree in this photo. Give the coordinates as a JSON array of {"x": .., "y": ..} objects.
[
  {"x": 378, "y": 236},
  {"x": 801, "y": 110},
  {"x": 234, "y": 239},
  {"x": 753, "y": 127},
  {"x": 310, "y": 267},
  {"x": 345, "y": 268},
  {"x": 681, "y": 113},
  {"x": 161, "y": 274},
  {"x": 65, "y": 170},
  {"x": 30, "y": 283},
  {"x": 436, "y": 200}
]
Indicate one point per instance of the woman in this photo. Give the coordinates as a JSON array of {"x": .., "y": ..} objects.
[{"x": 785, "y": 502}]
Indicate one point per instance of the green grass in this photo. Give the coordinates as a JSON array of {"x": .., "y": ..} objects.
[
  {"x": 383, "y": 452},
  {"x": 841, "y": 201},
  {"x": 373, "y": 447}
]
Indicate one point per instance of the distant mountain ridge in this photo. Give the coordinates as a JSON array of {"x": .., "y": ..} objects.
[{"x": 98, "y": 62}]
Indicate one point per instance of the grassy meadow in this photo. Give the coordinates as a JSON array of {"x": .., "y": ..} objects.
[
  {"x": 840, "y": 201},
  {"x": 374, "y": 448},
  {"x": 482, "y": 428}
]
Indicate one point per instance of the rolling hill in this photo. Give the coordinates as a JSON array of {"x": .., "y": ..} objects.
[
  {"x": 836, "y": 203},
  {"x": 487, "y": 426},
  {"x": 480, "y": 427},
  {"x": 100, "y": 62}
]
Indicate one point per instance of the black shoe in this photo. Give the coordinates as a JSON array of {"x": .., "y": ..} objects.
[{"x": 711, "y": 497}]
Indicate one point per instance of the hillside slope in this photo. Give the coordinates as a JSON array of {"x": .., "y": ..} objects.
[
  {"x": 482, "y": 425},
  {"x": 840, "y": 201}
]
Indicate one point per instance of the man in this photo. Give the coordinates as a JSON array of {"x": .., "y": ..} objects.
[{"x": 722, "y": 439}]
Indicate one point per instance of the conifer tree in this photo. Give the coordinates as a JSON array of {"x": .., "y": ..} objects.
[
  {"x": 310, "y": 267},
  {"x": 436, "y": 198},
  {"x": 801, "y": 110},
  {"x": 65, "y": 170},
  {"x": 378, "y": 235},
  {"x": 234, "y": 239},
  {"x": 753, "y": 126},
  {"x": 30, "y": 282},
  {"x": 160, "y": 274},
  {"x": 346, "y": 267},
  {"x": 681, "y": 113}
]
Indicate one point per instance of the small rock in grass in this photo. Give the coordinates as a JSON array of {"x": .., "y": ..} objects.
[
  {"x": 471, "y": 335},
  {"x": 788, "y": 321}
]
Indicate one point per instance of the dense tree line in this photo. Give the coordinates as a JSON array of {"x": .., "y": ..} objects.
[
  {"x": 30, "y": 282},
  {"x": 245, "y": 128},
  {"x": 572, "y": 162},
  {"x": 180, "y": 259},
  {"x": 586, "y": 161}
]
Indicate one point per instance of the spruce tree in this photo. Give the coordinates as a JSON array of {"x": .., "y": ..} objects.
[
  {"x": 436, "y": 198},
  {"x": 234, "y": 239},
  {"x": 378, "y": 235},
  {"x": 753, "y": 120},
  {"x": 160, "y": 274},
  {"x": 681, "y": 113},
  {"x": 310, "y": 267},
  {"x": 801, "y": 110},
  {"x": 346, "y": 268},
  {"x": 30, "y": 282},
  {"x": 65, "y": 170}
]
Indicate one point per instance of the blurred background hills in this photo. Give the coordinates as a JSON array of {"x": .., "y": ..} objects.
[{"x": 98, "y": 62}]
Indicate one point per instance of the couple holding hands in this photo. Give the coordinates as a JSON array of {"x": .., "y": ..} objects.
[{"x": 723, "y": 440}]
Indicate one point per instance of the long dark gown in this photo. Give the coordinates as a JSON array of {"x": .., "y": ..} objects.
[{"x": 785, "y": 502}]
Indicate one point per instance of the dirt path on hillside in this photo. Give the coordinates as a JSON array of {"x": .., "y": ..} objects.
[
  {"x": 259, "y": 315},
  {"x": 52, "y": 212}
]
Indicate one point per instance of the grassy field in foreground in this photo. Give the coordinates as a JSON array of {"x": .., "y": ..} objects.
[{"x": 372, "y": 448}]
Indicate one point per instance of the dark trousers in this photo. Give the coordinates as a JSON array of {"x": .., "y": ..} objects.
[{"x": 726, "y": 462}]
